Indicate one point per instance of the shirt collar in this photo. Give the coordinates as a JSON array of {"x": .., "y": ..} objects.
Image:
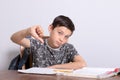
[{"x": 56, "y": 49}]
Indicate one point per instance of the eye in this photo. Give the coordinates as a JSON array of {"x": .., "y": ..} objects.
[
  {"x": 66, "y": 37},
  {"x": 60, "y": 33}
]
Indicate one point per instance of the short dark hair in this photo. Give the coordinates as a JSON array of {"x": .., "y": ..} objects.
[{"x": 63, "y": 21}]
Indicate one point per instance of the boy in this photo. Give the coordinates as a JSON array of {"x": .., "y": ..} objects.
[{"x": 54, "y": 51}]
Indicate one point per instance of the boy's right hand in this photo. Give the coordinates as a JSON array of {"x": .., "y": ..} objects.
[{"x": 37, "y": 32}]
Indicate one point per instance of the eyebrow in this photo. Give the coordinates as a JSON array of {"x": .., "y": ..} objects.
[{"x": 65, "y": 35}]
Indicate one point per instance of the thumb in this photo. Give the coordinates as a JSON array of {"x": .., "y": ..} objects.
[{"x": 38, "y": 38}]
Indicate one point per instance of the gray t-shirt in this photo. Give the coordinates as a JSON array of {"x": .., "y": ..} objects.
[{"x": 44, "y": 55}]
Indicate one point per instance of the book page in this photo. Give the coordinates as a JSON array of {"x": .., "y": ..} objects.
[
  {"x": 36, "y": 70},
  {"x": 92, "y": 72}
]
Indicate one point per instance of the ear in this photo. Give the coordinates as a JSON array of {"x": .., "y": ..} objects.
[{"x": 50, "y": 28}]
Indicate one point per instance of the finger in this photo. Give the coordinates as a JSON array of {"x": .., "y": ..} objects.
[
  {"x": 38, "y": 38},
  {"x": 39, "y": 31}
]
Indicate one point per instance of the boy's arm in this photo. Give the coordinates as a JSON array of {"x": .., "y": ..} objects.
[
  {"x": 20, "y": 36},
  {"x": 78, "y": 63}
]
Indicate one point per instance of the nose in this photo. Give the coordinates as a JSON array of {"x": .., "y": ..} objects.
[{"x": 61, "y": 38}]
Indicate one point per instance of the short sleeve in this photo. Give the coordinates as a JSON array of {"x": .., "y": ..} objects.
[
  {"x": 34, "y": 44},
  {"x": 71, "y": 52}
]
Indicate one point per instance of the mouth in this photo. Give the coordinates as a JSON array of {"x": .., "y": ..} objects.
[{"x": 58, "y": 43}]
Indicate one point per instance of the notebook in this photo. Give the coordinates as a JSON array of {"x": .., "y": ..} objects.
[
  {"x": 37, "y": 70},
  {"x": 95, "y": 72},
  {"x": 89, "y": 72}
]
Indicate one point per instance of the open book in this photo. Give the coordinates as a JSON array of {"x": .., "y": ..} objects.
[
  {"x": 37, "y": 70},
  {"x": 95, "y": 72},
  {"x": 90, "y": 72}
]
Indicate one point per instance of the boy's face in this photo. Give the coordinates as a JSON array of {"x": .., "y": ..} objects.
[{"x": 58, "y": 36}]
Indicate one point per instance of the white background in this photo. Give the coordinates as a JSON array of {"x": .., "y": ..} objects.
[{"x": 97, "y": 35}]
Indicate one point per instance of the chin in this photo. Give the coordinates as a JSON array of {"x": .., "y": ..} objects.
[{"x": 57, "y": 46}]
